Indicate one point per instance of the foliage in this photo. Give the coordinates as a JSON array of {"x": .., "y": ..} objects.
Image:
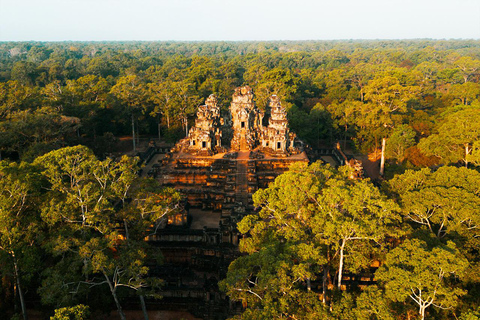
[
  {"x": 313, "y": 219},
  {"x": 423, "y": 274},
  {"x": 99, "y": 215},
  {"x": 402, "y": 138},
  {"x": 83, "y": 220},
  {"x": 20, "y": 226},
  {"x": 455, "y": 137},
  {"x": 78, "y": 312},
  {"x": 444, "y": 201},
  {"x": 365, "y": 90}
]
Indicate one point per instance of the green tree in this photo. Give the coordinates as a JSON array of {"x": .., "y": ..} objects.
[
  {"x": 455, "y": 136},
  {"x": 468, "y": 67},
  {"x": 162, "y": 96},
  {"x": 186, "y": 100},
  {"x": 465, "y": 92},
  {"x": 78, "y": 312},
  {"x": 402, "y": 138},
  {"x": 103, "y": 243},
  {"x": 15, "y": 97},
  {"x": 359, "y": 75},
  {"x": 24, "y": 72},
  {"x": 130, "y": 91},
  {"x": 20, "y": 224},
  {"x": 390, "y": 96},
  {"x": 311, "y": 219},
  {"x": 85, "y": 97},
  {"x": 423, "y": 274},
  {"x": 280, "y": 82},
  {"x": 474, "y": 156},
  {"x": 444, "y": 204},
  {"x": 372, "y": 304},
  {"x": 445, "y": 201},
  {"x": 35, "y": 132}
]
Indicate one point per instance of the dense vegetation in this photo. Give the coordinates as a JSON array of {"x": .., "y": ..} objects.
[
  {"x": 69, "y": 218},
  {"x": 317, "y": 228},
  {"x": 72, "y": 228},
  {"x": 57, "y": 94}
]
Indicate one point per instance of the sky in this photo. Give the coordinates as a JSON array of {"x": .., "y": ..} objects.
[{"x": 235, "y": 20}]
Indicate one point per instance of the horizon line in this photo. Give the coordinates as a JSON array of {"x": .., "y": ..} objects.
[{"x": 270, "y": 40}]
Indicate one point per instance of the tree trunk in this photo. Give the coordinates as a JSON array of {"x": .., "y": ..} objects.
[
  {"x": 133, "y": 134},
  {"x": 20, "y": 292},
  {"x": 114, "y": 294},
  {"x": 144, "y": 307},
  {"x": 324, "y": 284},
  {"x": 15, "y": 302},
  {"x": 340, "y": 267},
  {"x": 137, "y": 134},
  {"x": 159, "y": 128},
  {"x": 467, "y": 152},
  {"x": 186, "y": 126},
  {"x": 382, "y": 158},
  {"x": 127, "y": 234},
  {"x": 119, "y": 307},
  {"x": 422, "y": 312}
]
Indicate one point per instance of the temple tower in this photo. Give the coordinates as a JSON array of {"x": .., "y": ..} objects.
[
  {"x": 206, "y": 136},
  {"x": 276, "y": 138},
  {"x": 246, "y": 119}
]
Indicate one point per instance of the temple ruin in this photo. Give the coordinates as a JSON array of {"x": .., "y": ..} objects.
[
  {"x": 224, "y": 160},
  {"x": 213, "y": 176},
  {"x": 205, "y": 138},
  {"x": 246, "y": 120},
  {"x": 246, "y": 126},
  {"x": 276, "y": 138}
]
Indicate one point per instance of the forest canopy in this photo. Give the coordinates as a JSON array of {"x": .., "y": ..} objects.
[
  {"x": 360, "y": 91},
  {"x": 73, "y": 219}
]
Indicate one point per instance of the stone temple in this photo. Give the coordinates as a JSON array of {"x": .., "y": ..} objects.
[
  {"x": 205, "y": 138},
  {"x": 224, "y": 159},
  {"x": 246, "y": 129},
  {"x": 217, "y": 167}
]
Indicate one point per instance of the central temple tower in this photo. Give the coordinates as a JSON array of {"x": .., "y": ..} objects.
[{"x": 246, "y": 118}]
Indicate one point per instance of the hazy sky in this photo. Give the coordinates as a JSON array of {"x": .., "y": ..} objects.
[{"x": 53, "y": 20}]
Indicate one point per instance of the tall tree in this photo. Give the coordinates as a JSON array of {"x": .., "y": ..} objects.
[
  {"x": 390, "y": 96},
  {"x": 425, "y": 275},
  {"x": 455, "y": 136},
  {"x": 402, "y": 138},
  {"x": 20, "y": 224},
  {"x": 186, "y": 99},
  {"x": 99, "y": 220},
  {"x": 312, "y": 219},
  {"x": 130, "y": 91},
  {"x": 445, "y": 201},
  {"x": 162, "y": 96}
]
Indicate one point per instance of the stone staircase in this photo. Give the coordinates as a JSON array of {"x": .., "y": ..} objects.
[{"x": 241, "y": 181}]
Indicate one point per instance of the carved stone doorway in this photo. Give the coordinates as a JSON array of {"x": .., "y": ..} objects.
[
  {"x": 243, "y": 140},
  {"x": 243, "y": 144}
]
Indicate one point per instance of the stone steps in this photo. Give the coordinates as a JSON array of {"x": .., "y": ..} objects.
[{"x": 241, "y": 183}]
